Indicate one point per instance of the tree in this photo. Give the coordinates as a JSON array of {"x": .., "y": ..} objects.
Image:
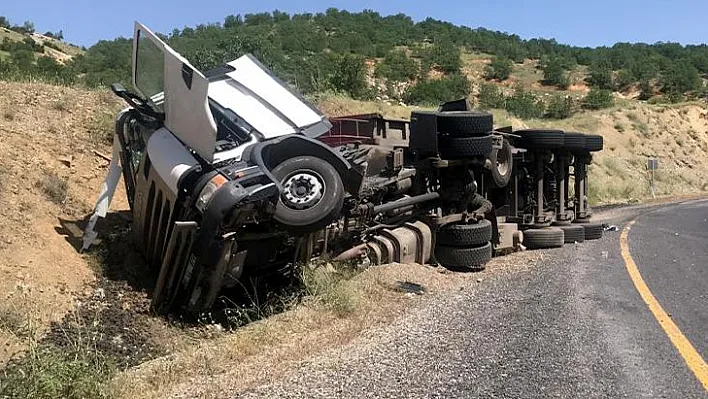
[
  {"x": 499, "y": 69},
  {"x": 598, "y": 99},
  {"x": 560, "y": 107},
  {"x": 444, "y": 56},
  {"x": 645, "y": 90},
  {"x": 490, "y": 96},
  {"x": 4, "y": 22},
  {"x": 397, "y": 67},
  {"x": 436, "y": 91},
  {"x": 624, "y": 79},
  {"x": 350, "y": 75},
  {"x": 28, "y": 27},
  {"x": 554, "y": 74},
  {"x": 524, "y": 104},
  {"x": 600, "y": 75},
  {"x": 680, "y": 78}
]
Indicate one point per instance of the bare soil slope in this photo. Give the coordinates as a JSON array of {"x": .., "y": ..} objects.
[{"x": 49, "y": 178}]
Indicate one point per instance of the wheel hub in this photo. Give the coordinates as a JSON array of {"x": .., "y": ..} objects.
[{"x": 303, "y": 190}]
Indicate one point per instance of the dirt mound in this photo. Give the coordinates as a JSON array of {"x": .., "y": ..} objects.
[{"x": 49, "y": 178}]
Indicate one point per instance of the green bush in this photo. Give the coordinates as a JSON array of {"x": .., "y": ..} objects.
[
  {"x": 560, "y": 107},
  {"x": 444, "y": 56},
  {"x": 490, "y": 96},
  {"x": 499, "y": 69},
  {"x": 554, "y": 73},
  {"x": 53, "y": 372},
  {"x": 436, "y": 91},
  {"x": 598, "y": 99},
  {"x": 397, "y": 67},
  {"x": 525, "y": 105}
]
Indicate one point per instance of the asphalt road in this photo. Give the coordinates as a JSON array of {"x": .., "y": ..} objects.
[{"x": 573, "y": 326}]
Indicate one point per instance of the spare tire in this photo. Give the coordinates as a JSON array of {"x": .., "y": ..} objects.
[
  {"x": 593, "y": 142},
  {"x": 465, "y": 235},
  {"x": 465, "y": 123},
  {"x": 574, "y": 142},
  {"x": 593, "y": 231},
  {"x": 457, "y": 148},
  {"x": 464, "y": 259},
  {"x": 502, "y": 164},
  {"x": 573, "y": 233},
  {"x": 540, "y": 138},
  {"x": 547, "y": 237}
]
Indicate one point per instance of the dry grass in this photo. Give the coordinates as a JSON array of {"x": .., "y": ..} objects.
[
  {"x": 339, "y": 310},
  {"x": 54, "y": 187}
]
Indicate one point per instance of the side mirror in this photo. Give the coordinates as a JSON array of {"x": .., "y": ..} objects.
[{"x": 118, "y": 89}]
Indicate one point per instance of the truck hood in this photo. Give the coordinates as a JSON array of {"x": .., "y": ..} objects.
[{"x": 245, "y": 87}]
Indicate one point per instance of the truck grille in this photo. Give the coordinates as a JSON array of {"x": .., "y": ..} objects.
[{"x": 154, "y": 215}]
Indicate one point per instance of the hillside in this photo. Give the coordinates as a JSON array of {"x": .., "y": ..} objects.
[
  {"x": 677, "y": 135},
  {"x": 52, "y": 47}
]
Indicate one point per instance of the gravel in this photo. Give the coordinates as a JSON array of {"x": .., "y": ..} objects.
[{"x": 571, "y": 326}]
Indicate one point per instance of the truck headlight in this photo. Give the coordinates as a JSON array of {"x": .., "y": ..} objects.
[{"x": 208, "y": 191}]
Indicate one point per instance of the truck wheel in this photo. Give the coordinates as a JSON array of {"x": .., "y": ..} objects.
[
  {"x": 467, "y": 259},
  {"x": 457, "y": 148},
  {"x": 547, "y": 237},
  {"x": 593, "y": 231},
  {"x": 312, "y": 196},
  {"x": 574, "y": 142},
  {"x": 573, "y": 233},
  {"x": 502, "y": 164},
  {"x": 593, "y": 142},
  {"x": 465, "y": 235},
  {"x": 465, "y": 123},
  {"x": 540, "y": 138}
]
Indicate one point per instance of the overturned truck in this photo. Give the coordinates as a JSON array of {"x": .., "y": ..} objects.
[{"x": 231, "y": 175}]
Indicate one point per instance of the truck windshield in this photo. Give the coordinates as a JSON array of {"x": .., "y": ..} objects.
[{"x": 149, "y": 68}]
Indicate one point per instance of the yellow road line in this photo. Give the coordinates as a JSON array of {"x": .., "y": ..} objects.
[{"x": 693, "y": 359}]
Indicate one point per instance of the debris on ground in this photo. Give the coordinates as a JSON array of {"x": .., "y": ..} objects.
[{"x": 609, "y": 227}]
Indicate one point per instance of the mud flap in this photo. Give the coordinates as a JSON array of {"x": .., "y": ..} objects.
[{"x": 108, "y": 188}]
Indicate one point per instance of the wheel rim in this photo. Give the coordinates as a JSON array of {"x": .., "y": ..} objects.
[
  {"x": 502, "y": 164},
  {"x": 302, "y": 190}
]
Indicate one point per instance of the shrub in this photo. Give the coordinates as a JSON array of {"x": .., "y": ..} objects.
[
  {"x": 560, "y": 107},
  {"x": 54, "y": 187},
  {"x": 554, "y": 74},
  {"x": 500, "y": 69},
  {"x": 397, "y": 67},
  {"x": 525, "y": 105},
  {"x": 490, "y": 96},
  {"x": 51, "y": 372},
  {"x": 437, "y": 91},
  {"x": 598, "y": 99}
]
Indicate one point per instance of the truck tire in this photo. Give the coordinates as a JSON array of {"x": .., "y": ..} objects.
[
  {"x": 312, "y": 196},
  {"x": 502, "y": 164},
  {"x": 457, "y": 148},
  {"x": 574, "y": 142},
  {"x": 464, "y": 259},
  {"x": 593, "y": 142},
  {"x": 465, "y": 235},
  {"x": 547, "y": 237},
  {"x": 593, "y": 231},
  {"x": 573, "y": 233},
  {"x": 540, "y": 138},
  {"x": 465, "y": 123}
]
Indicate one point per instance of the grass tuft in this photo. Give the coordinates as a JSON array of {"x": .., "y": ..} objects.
[
  {"x": 326, "y": 283},
  {"x": 54, "y": 187}
]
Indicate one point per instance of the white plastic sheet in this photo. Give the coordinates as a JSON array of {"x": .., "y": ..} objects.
[{"x": 108, "y": 188}]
